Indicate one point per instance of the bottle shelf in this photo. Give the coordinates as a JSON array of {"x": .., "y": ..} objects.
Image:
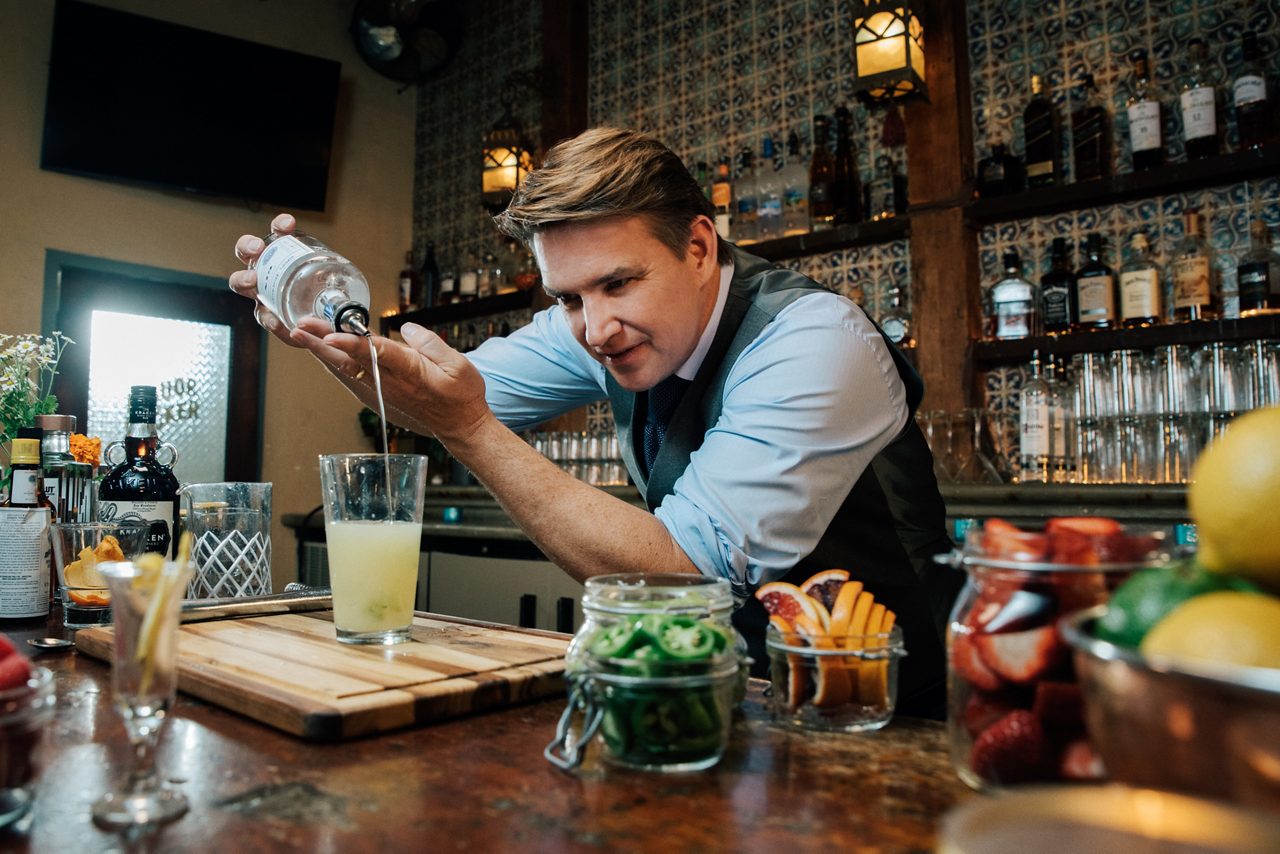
[
  {"x": 1170, "y": 178},
  {"x": 832, "y": 240},
  {"x": 441, "y": 314},
  {"x": 1105, "y": 340}
]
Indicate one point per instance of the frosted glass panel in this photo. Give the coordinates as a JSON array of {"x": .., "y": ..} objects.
[{"x": 190, "y": 365}]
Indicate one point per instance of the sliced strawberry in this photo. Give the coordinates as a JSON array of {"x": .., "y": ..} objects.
[
  {"x": 6, "y": 646},
  {"x": 1021, "y": 657},
  {"x": 983, "y": 709},
  {"x": 1018, "y": 610},
  {"x": 1090, "y": 526},
  {"x": 1011, "y": 750},
  {"x": 1059, "y": 703},
  {"x": 1081, "y": 761},
  {"x": 15, "y": 670},
  {"x": 1003, "y": 540},
  {"x": 968, "y": 664},
  {"x": 1073, "y": 547}
]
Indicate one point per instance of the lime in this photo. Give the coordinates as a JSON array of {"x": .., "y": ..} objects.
[
  {"x": 1228, "y": 627},
  {"x": 1148, "y": 596}
]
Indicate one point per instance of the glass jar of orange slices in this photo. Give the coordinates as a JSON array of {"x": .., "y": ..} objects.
[
  {"x": 653, "y": 674},
  {"x": 833, "y": 654}
]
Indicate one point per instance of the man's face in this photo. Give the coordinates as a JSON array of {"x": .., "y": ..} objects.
[{"x": 631, "y": 303}]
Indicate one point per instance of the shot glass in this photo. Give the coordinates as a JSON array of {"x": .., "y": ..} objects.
[
  {"x": 373, "y": 526},
  {"x": 230, "y": 526},
  {"x": 78, "y": 551}
]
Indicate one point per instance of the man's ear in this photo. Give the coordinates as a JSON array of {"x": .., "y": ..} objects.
[{"x": 703, "y": 243}]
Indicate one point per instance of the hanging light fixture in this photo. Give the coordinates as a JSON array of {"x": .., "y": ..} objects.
[
  {"x": 508, "y": 154},
  {"x": 888, "y": 50}
]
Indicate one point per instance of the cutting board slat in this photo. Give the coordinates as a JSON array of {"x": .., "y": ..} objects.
[{"x": 289, "y": 671}]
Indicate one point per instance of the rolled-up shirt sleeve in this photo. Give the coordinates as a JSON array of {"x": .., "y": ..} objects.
[{"x": 807, "y": 405}]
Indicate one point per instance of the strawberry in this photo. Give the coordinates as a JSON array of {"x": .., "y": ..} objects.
[
  {"x": 984, "y": 708},
  {"x": 15, "y": 670},
  {"x": 1080, "y": 761},
  {"x": 1011, "y": 750},
  {"x": 1072, "y": 547},
  {"x": 1003, "y": 540},
  {"x": 1021, "y": 657},
  {"x": 1058, "y": 703},
  {"x": 969, "y": 666},
  {"x": 1089, "y": 526},
  {"x": 6, "y": 646}
]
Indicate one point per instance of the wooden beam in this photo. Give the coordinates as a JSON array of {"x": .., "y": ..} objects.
[{"x": 565, "y": 46}]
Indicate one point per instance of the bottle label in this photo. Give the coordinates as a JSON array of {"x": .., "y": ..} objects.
[
  {"x": 1144, "y": 125},
  {"x": 1140, "y": 293},
  {"x": 157, "y": 514},
  {"x": 746, "y": 206},
  {"x": 771, "y": 207},
  {"x": 24, "y": 562},
  {"x": 1056, "y": 307},
  {"x": 794, "y": 199},
  {"x": 1097, "y": 298},
  {"x": 274, "y": 262},
  {"x": 1013, "y": 320},
  {"x": 1191, "y": 282},
  {"x": 468, "y": 283},
  {"x": 1198, "y": 118},
  {"x": 1033, "y": 428},
  {"x": 894, "y": 328},
  {"x": 1058, "y": 429},
  {"x": 1255, "y": 285},
  {"x": 721, "y": 195},
  {"x": 23, "y": 490},
  {"x": 1249, "y": 89},
  {"x": 722, "y": 225}
]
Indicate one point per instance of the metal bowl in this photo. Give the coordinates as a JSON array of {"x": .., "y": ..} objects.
[{"x": 1212, "y": 731}]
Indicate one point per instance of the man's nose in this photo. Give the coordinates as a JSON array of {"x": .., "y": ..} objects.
[{"x": 600, "y": 322}]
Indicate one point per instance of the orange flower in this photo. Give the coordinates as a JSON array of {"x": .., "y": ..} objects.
[{"x": 86, "y": 449}]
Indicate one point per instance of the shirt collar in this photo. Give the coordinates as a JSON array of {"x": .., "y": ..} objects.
[{"x": 689, "y": 369}]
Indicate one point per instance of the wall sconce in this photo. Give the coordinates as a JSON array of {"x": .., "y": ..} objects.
[
  {"x": 888, "y": 51},
  {"x": 508, "y": 153}
]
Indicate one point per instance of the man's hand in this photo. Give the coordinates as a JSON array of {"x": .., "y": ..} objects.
[{"x": 245, "y": 282}]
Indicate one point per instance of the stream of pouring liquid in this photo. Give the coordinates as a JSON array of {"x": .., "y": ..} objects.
[{"x": 382, "y": 414}]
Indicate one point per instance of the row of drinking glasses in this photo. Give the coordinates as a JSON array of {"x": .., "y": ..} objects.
[{"x": 591, "y": 456}]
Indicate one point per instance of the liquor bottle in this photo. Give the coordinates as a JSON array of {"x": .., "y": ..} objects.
[
  {"x": 895, "y": 323},
  {"x": 300, "y": 277},
  {"x": 1095, "y": 288},
  {"x": 28, "y": 579},
  {"x": 448, "y": 287},
  {"x": 141, "y": 488},
  {"x": 410, "y": 285},
  {"x": 429, "y": 281},
  {"x": 768, "y": 194},
  {"x": 1058, "y": 290},
  {"x": 1041, "y": 145},
  {"x": 795, "y": 190},
  {"x": 746, "y": 207},
  {"x": 469, "y": 279},
  {"x": 1056, "y": 418},
  {"x": 880, "y": 191},
  {"x": 1140, "y": 288},
  {"x": 66, "y": 482},
  {"x": 1195, "y": 296},
  {"x": 722, "y": 198},
  {"x": 1035, "y": 432},
  {"x": 26, "y": 474},
  {"x": 1146, "y": 134},
  {"x": 1255, "y": 114},
  {"x": 1199, "y": 103},
  {"x": 822, "y": 176},
  {"x": 1091, "y": 133},
  {"x": 846, "y": 186},
  {"x": 1258, "y": 273},
  {"x": 1014, "y": 302},
  {"x": 1000, "y": 173},
  {"x": 1063, "y": 437}
]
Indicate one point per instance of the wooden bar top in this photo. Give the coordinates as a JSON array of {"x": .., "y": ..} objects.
[{"x": 478, "y": 783}]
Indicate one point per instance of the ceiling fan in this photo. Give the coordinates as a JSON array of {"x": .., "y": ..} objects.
[{"x": 407, "y": 40}]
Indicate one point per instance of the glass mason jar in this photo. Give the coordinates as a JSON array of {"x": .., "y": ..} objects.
[
  {"x": 1016, "y": 714},
  {"x": 655, "y": 673},
  {"x": 24, "y": 711}
]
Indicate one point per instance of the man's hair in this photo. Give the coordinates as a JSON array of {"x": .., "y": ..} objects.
[{"x": 606, "y": 173}]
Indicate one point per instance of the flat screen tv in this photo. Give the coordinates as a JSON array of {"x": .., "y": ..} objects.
[{"x": 141, "y": 100}]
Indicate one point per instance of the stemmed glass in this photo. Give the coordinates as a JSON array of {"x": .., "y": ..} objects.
[{"x": 145, "y": 604}]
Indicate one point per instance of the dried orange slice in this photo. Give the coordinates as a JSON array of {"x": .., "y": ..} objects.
[
  {"x": 82, "y": 596},
  {"x": 824, "y": 586},
  {"x": 782, "y": 599},
  {"x": 868, "y": 690},
  {"x": 832, "y": 686},
  {"x": 842, "y": 610},
  {"x": 108, "y": 549},
  {"x": 882, "y": 667},
  {"x": 797, "y": 681}
]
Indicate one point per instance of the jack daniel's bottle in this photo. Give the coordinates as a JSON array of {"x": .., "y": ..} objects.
[{"x": 140, "y": 488}]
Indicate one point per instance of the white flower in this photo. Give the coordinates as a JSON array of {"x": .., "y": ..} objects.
[{"x": 25, "y": 345}]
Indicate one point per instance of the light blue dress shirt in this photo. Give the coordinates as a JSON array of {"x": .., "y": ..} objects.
[{"x": 806, "y": 407}]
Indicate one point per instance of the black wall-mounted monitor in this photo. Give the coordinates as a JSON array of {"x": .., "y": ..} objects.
[{"x": 142, "y": 100}]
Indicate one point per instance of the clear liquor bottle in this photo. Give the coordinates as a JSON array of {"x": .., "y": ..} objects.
[
  {"x": 1058, "y": 290},
  {"x": 722, "y": 199},
  {"x": 1061, "y": 420},
  {"x": 1015, "y": 302},
  {"x": 1140, "y": 288},
  {"x": 769, "y": 193},
  {"x": 1091, "y": 133},
  {"x": 1255, "y": 114},
  {"x": 300, "y": 277},
  {"x": 1042, "y": 148},
  {"x": 1258, "y": 273},
  {"x": 1146, "y": 131},
  {"x": 746, "y": 208},
  {"x": 1199, "y": 101},
  {"x": 140, "y": 488},
  {"x": 1195, "y": 293},
  {"x": 1035, "y": 430},
  {"x": 795, "y": 190},
  {"x": 822, "y": 176},
  {"x": 1095, "y": 287}
]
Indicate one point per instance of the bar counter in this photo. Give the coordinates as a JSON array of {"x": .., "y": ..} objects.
[{"x": 478, "y": 783}]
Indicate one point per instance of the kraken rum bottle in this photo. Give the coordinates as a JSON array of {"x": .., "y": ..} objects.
[{"x": 140, "y": 488}]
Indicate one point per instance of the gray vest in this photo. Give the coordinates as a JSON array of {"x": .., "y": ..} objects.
[{"x": 889, "y": 525}]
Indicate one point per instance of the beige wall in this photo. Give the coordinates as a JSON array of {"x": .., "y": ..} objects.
[{"x": 369, "y": 214}]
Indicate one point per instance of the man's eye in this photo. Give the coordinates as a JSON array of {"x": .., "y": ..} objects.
[{"x": 616, "y": 284}]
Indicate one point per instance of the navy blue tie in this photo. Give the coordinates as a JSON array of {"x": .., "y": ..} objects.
[{"x": 663, "y": 399}]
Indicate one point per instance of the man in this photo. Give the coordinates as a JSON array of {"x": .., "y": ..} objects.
[{"x": 765, "y": 420}]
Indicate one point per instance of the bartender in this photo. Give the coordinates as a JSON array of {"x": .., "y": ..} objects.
[{"x": 764, "y": 419}]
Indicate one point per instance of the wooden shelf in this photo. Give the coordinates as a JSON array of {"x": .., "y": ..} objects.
[
  {"x": 840, "y": 237},
  {"x": 441, "y": 314},
  {"x": 1171, "y": 178},
  {"x": 1105, "y": 340}
]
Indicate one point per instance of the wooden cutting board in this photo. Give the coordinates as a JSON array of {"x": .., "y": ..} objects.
[{"x": 288, "y": 671}]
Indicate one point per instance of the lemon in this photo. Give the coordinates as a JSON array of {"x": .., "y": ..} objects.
[
  {"x": 1223, "y": 628},
  {"x": 1235, "y": 487}
]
